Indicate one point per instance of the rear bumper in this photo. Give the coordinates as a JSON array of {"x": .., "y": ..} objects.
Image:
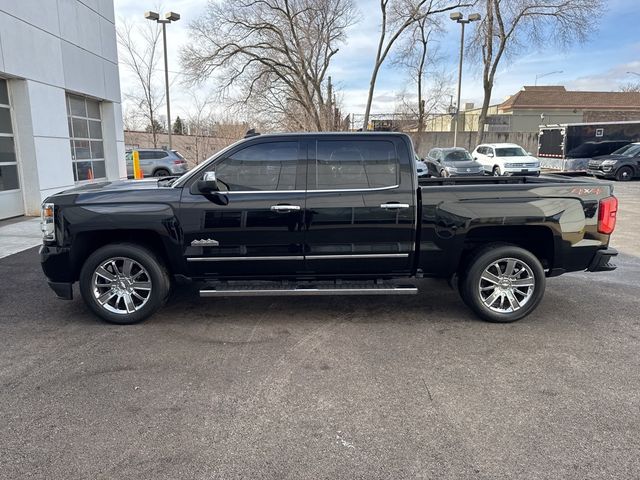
[{"x": 600, "y": 261}]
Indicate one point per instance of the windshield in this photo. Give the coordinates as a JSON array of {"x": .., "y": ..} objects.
[
  {"x": 510, "y": 152},
  {"x": 630, "y": 150},
  {"x": 457, "y": 156}
]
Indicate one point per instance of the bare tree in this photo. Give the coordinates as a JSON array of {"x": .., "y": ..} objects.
[
  {"x": 397, "y": 17},
  {"x": 630, "y": 87},
  {"x": 140, "y": 52},
  {"x": 509, "y": 25},
  {"x": 419, "y": 55},
  {"x": 274, "y": 53},
  {"x": 209, "y": 130}
]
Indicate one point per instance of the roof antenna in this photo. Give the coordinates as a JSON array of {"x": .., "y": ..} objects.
[{"x": 251, "y": 133}]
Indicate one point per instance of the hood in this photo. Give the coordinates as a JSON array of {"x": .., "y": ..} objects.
[
  {"x": 116, "y": 185},
  {"x": 463, "y": 164},
  {"x": 118, "y": 192},
  {"x": 602, "y": 158}
]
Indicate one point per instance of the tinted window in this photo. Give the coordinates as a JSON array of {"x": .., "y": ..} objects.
[
  {"x": 266, "y": 166},
  {"x": 145, "y": 155},
  {"x": 346, "y": 164},
  {"x": 510, "y": 152},
  {"x": 481, "y": 150},
  {"x": 160, "y": 154}
]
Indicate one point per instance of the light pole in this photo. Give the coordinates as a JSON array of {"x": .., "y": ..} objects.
[
  {"x": 458, "y": 17},
  {"x": 634, "y": 73},
  {"x": 168, "y": 18},
  {"x": 542, "y": 75}
]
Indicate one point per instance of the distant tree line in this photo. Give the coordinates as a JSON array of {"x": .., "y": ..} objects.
[{"x": 270, "y": 60}]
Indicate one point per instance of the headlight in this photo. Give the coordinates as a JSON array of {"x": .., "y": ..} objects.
[
  {"x": 609, "y": 163},
  {"x": 47, "y": 224}
]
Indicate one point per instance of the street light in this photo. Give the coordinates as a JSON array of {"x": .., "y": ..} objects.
[
  {"x": 541, "y": 75},
  {"x": 458, "y": 17},
  {"x": 634, "y": 73},
  {"x": 168, "y": 18}
]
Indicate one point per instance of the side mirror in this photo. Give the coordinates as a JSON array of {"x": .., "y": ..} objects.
[
  {"x": 530, "y": 154},
  {"x": 209, "y": 183},
  {"x": 490, "y": 155}
]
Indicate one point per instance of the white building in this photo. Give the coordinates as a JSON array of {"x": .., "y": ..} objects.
[{"x": 60, "y": 112}]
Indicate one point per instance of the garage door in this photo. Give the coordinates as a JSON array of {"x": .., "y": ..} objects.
[{"x": 11, "y": 202}]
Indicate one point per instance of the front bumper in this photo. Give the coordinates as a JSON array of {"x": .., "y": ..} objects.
[
  {"x": 600, "y": 262},
  {"x": 600, "y": 173},
  {"x": 55, "y": 263},
  {"x": 467, "y": 174},
  {"x": 511, "y": 172}
]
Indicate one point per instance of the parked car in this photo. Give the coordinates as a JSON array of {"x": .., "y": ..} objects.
[
  {"x": 623, "y": 164},
  {"x": 568, "y": 147},
  {"x": 506, "y": 159},
  {"x": 422, "y": 169},
  {"x": 452, "y": 162},
  {"x": 157, "y": 162},
  {"x": 322, "y": 214}
]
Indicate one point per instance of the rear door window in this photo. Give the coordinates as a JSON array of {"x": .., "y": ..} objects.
[
  {"x": 353, "y": 164},
  {"x": 266, "y": 166}
]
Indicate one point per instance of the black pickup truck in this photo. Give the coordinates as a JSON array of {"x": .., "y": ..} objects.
[{"x": 322, "y": 214}]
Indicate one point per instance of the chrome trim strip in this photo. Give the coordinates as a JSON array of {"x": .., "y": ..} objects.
[
  {"x": 309, "y": 291},
  {"x": 348, "y": 190},
  {"x": 394, "y": 206},
  {"x": 242, "y": 259},
  {"x": 363, "y": 255}
]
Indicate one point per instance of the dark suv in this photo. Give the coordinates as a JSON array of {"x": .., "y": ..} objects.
[
  {"x": 157, "y": 162},
  {"x": 623, "y": 164}
]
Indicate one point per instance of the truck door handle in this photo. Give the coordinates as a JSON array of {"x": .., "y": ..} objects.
[
  {"x": 284, "y": 208},
  {"x": 394, "y": 206}
]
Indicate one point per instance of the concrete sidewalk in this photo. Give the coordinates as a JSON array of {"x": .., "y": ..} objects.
[{"x": 18, "y": 235}]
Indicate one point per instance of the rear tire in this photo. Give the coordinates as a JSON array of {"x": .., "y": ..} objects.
[
  {"x": 161, "y": 172},
  {"x": 503, "y": 283},
  {"x": 124, "y": 283},
  {"x": 624, "y": 174}
]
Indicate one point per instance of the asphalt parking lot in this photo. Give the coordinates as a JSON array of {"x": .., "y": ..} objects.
[{"x": 367, "y": 388}]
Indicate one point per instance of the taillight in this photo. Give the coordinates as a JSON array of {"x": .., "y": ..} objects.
[
  {"x": 607, "y": 212},
  {"x": 179, "y": 162}
]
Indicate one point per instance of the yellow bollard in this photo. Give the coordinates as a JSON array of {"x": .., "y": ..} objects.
[{"x": 137, "y": 171}]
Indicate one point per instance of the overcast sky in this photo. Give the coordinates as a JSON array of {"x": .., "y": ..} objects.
[{"x": 600, "y": 64}]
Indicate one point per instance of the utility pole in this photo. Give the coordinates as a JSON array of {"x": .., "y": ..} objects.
[{"x": 458, "y": 17}]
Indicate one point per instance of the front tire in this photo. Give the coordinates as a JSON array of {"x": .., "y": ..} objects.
[
  {"x": 496, "y": 172},
  {"x": 503, "y": 283},
  {"x": 124, "y": 283},
  {"x": 624, "y": 174}
]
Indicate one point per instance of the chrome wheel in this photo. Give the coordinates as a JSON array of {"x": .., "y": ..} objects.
[
  {"x": 121, "y": 285},
  {"x": 506, "y": 285}
]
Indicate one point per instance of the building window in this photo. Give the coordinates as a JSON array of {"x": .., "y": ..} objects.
[
  {"x": 85, "y": 132},
  {"x": 8, "y": 161}
]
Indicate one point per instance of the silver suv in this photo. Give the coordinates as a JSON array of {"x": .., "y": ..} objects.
[{"x": 157, "y": 162}]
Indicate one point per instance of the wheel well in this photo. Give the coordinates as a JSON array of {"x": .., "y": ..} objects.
[
  {"x": 536, "y": 239},
  {"x": 85, "y": 243}
]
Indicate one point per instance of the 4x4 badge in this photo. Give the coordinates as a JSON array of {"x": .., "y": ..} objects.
[{"x": 205, "y": 242}]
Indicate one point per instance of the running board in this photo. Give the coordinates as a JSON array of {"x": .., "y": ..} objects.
[{"x": 373, "y": 289}]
